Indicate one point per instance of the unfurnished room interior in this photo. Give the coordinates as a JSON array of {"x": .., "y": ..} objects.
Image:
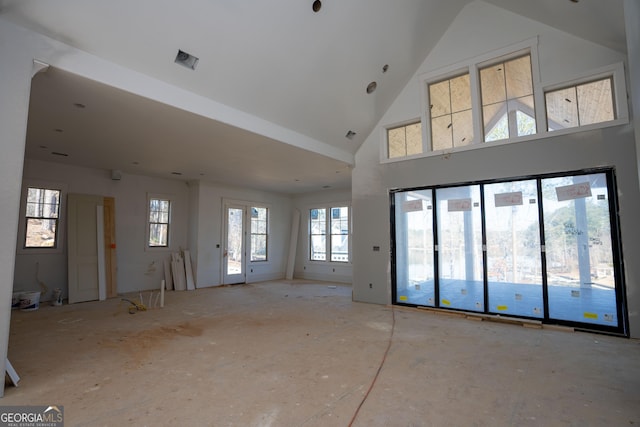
[{"x": 320, "y": 213}]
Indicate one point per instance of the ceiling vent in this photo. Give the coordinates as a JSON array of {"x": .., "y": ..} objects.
[{"x": 186, "y": 60}]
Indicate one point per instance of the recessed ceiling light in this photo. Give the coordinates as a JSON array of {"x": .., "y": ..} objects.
[
  {"x": 186, "y": 60},
  {"x": 79, "y": 105},
  {"x": 371, "y": 87},
  {"x": 317, "y": 5}
]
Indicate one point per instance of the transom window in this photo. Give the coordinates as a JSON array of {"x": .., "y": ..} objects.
[
  {"x": 580, "y": 104},
  {"x": 332, "y": 222},
  {"x": 42, "y": 215},
  {"x": 405, "y": 140},
  {"x": 159, "y": 220},
  {"x": 507, "y": 99},
  {"x": 450, "y": 110}
]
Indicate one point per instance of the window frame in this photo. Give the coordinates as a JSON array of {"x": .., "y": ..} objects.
[
  {"x": 41, "y": 204},
  {"x": 327, "y": 208},
  {"x": 616, "y": 73},
  {"x": 171, "y": 200},
  {"x": 266, "y": 234},
  {"x": 61, "y": 220},
  {"x": 403, "y": 124}
]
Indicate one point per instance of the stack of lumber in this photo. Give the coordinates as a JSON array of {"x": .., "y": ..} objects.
[{"x": 178, "y": 273}]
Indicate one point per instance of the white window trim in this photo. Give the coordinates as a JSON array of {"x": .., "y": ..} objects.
[
  {"x": 473, "y": 65},
  {"x": 171, "y": 199},
  {"x": 327, "y": 207},
  {"x": 61, "y": 237}
]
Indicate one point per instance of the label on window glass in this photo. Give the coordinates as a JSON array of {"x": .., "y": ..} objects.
[
  {"x": 575, "y": 191},
  {"x": 508, "y": 199},
  {"x": 458, "y": 205},
  {"x": 412, "y": 205}
]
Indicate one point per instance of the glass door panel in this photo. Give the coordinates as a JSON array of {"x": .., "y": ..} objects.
[
  {"x": 414, "y": 248},
  {"x": 460, "y": 264},
  {"x": 233, "y": 256},
  {"x": 580, "y": 269},
  {"x": 514, "y": 272}
]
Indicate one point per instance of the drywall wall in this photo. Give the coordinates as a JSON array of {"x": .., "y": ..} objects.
[
  {"x": 318, "y": 270},
  {"x": 138, "y": 267},
  {"x": 15, "y": 84},
  {"x": 481, "y": 28},
  {"x": 209, "y": 242}
]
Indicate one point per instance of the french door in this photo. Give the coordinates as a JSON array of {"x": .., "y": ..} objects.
[{"x": 543, "y": 247}]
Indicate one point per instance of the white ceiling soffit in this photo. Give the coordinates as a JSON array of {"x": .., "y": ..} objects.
[{"x": 76, "y": 121}]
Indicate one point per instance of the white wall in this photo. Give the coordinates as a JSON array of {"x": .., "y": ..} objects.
[
  {"x": 317, "y": 270},
  {"x": 481, "y": 28},
  {"x": 209, "y": 242},
  {"x": 15, "y": 85},
  {"x": 138, "y": 268}
]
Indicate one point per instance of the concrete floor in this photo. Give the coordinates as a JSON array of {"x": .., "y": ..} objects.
[{"x": 303, "y": 354}]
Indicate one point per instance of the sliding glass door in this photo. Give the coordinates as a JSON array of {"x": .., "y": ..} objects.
[
  {"x": 543, "y": 247},
  {"x": 414, "y": 236},
  {"x": 580, "y": 265},
  {"x": 514, "y": 273},
  {"x": 460, "y": 248}
]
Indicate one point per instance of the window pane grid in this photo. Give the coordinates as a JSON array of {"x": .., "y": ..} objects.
[
  {"x": 329, "y": 237},
  {"x": 41, "y": 213},
  {"x": 405, "y": 140},
  {"x": 450, "y": 113},
  {"x": 340, "y": 234},
  {"x": 507, "y": 99},
  {"x": 259, "y": 235},
  {"x": 159, "y": 218},
  {"x": 580, "y": 105}
]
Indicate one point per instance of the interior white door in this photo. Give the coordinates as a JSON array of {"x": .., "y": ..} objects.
[
  {"x": 82, "y": 235},
  {"x": 234, "y": 258}
]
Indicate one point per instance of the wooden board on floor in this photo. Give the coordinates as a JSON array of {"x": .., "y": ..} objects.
[{"x": 188, "y": 271}]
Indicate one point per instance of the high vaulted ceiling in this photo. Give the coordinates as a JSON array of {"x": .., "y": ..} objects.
[{"x": 278, "y": 61}]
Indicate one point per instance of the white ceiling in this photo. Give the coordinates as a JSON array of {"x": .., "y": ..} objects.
[{"x": 276, "y": 60}]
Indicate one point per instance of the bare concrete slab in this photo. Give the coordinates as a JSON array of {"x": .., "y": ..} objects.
[{"x": 298, "y": 353}]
